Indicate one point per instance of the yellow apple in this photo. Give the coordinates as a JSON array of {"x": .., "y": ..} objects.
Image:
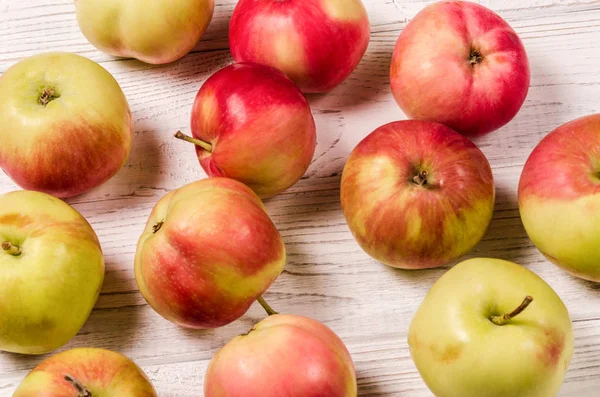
[
  {"x": 52, "y": 271},
  {"x": 154, "y": 32}
]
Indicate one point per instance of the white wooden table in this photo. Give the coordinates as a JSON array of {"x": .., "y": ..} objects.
[{"x": 327, "y": 276}]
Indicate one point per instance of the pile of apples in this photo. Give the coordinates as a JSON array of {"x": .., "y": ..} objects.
[{"x": 416, "y": 194}]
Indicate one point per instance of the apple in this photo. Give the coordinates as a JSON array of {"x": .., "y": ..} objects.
[
  {"x": 66, "y": 125},
  {"x": 317, "y": 43},
  {"x": 460, "y": 64},
  {"x": 251, "y": 123},
  {"x": 86, "y": 372},
  {"x": 491, "y": 328},
  {"x": 155, "y": 32},
  {"x": 283, "y": 355},
  {"x": 417, "y": 195},
  {"x": 52, "y": 271},
  {"x": 559, "y": 197},
  {"x": 208, "y": 252}
]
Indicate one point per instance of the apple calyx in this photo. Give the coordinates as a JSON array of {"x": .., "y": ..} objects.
[
  {"x": 13, "y": 250},
  {"x": 505, "y": 318},
  {"x": 266, "y": 306},
  {"x": 48, "y": 95},
  {"x": 421, "y": 178},
  {"x": 475, "y": 57},
  {"x": 198, "y": 142},
  {"x": 81, "y": 390},
  {"x": 157, "y": 226}
]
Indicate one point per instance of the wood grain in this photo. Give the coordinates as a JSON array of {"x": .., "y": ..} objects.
[{"x": 327, "y": 276}]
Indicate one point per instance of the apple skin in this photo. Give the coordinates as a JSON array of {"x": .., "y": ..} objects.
[
  {"x": 460, "y": 352},
  {"x": 260, "y": 127},
  {"x": 559, "y": 197},
  {"x": 101, "y": 372},
  {"x": 433, "y": 77},
  {"x": 155, "y": 32},
  {"x": 48, "y": 290},
  {"x": 75, "y": 142},
  {"x": 214, "y": 252},
  {"x": 411, "y": 226},
  {"x": 283, "y": 355},
  {"x": 316, "y": 43}
]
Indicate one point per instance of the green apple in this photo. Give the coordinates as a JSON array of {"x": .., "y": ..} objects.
[
  {"x": 157, "y": 32},
  {"x": 86, "y": 372},
  {"x": 491, "y": 328},
  {"x": 52, "y": 271}
]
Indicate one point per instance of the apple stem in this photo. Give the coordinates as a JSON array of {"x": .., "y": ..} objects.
[
  {"x": 505, "y": 318},
  {"x": 266, "y": 306},
  {"x": 81, "y": 390},
  {"x": 14, "y": 250},
  {"x": 204, "y": 145},
  {"x": 421, "y": 178}
]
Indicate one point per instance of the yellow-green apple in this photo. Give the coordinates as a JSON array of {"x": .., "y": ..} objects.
[
  {"x": 559, "y": 197},
  {"x": 317, "y": 43},
  {"x": 86, "y": 372},
  {"x": 208, "y": 252},
  {"x": 52, "y": 272},
  {"x": 283, "y": 355},
  {"x": 155, "y": 32},
  {"x": 460, "y": 64},
  {"x": 417, "y": 195},
  {"x": 491, "y": 328},
  {"x": 66, "y": 125},
  {"x": 251, "y": 123}
]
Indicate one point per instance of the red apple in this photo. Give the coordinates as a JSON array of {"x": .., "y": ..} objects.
[
  {"x": 417, "y": 195},
  {"x": 86, "y": 372},
  {"x": 251, "y": 123},
  {"x": 559, "y": 197},
  {"x": 317, "y": 43},
  {"x": 66, "y": 124},
  {"x": 283, "y": 355},
  {"x": 460, "y": 64},
  {"x": 208, "y": 252}
]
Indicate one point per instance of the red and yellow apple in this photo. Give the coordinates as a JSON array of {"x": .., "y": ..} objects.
[
  {"x": 559, "y": 197},
  {"x": 251, "y": 123},
  {"x": 66, "y": 125},
  {"x": 283, "y": 355},
  {"x": 86, "y": 372},
  {"x": 491, "y": 328},
  {"x": 155, "y": 32},
  {"x": 52, "y": 271},
  {"x": 417, "y": 195},
  {"x": 316, "y": 43},
  {"x": 460, "y": 64},
  {"x": 208, "y": 252}
]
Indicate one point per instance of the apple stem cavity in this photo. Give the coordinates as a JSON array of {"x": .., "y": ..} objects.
[
  {"x": 505, "y": 318},
  {"x": 204, "y": 145},
  {"x": 266, "y": 306},
  {"x": 81, "y": 390},
  {"x": 47, "y": 96},
  {"x": 14, "y": 250},
  {"x": 421, "y": 178},
  {"x": 475, "y": 57}
]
